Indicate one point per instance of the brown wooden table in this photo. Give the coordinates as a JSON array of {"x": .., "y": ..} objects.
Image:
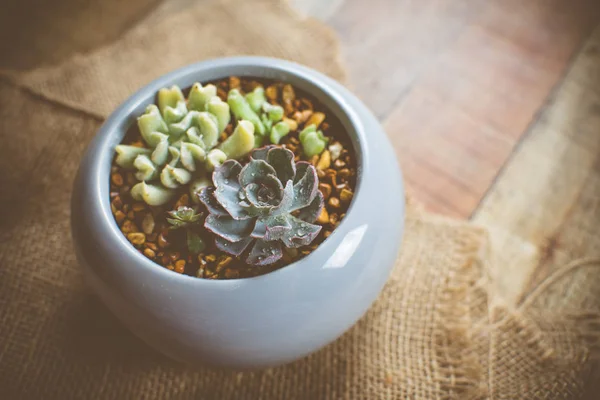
[{"x": 493, "y": 107}]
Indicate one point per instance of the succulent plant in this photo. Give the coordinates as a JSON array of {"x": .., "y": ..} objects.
[
  {"x": 265, "y": 117},
  {"x": 313, "y": 141},
  {"x": 180, "y": 137},
  {"x": 188, "y": 218},
  {"x": 241, "y": 141},
  {"x": 268, "y": 203},
  {"x": 256, "y": 98},
  {"x": 243, "y": 110},
  {"x": 278, "y": 131}
]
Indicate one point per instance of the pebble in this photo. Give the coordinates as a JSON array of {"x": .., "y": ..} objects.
[
  {"x": 325, "y": 188},
  {"x": 334, "y": 202},
  {"x": 324, "y": 160},
  {"x": 149, "y": 253},
  {"x": 180, "y": 266},
  {"x": 162, "y": 242},
  {"x": 148, "y": 224},
  {"x": 324, "y": 217},
  {"x": 117, "y": 179},
  {"x": 119, "y": 216},
  {"x": 346, "y": 195},
  {"x": 315, "y": 119},
  {"x": 136, "y": 238},
  {"x": 128, "y": 227}
]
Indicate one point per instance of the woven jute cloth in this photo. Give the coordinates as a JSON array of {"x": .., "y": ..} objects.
[{"x": 436, "y": 331}]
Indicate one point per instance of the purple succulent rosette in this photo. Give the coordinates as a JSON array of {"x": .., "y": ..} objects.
[{"x": 253, "y": 205}]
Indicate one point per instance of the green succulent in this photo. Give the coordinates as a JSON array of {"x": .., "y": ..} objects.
[
  {"x": 183, "y": 217},
  {"x": 188, "y": 218},
  {"x": 181, "y": 136},
  {"x": 313, "y": 141},
  {"x": 268, "y": 203},
  {"x": 265, "y": 117}
]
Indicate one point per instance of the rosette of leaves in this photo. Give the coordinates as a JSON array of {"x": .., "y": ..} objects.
[
  {"x": 180, "y": 136},
  {"x": 268, "y": 203},
  {"x": 189, "y": 219}
]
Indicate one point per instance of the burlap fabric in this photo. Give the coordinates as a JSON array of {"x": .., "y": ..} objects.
[{"x": 436, "y": 332}]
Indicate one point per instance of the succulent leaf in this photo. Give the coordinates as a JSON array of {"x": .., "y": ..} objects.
[
  {"x": 177, "y": 129},
  {"x": 261, "y": 153},
  {"x": 183, "y": 217},
  {"x": 228, "y": 228},
  {"x": 228, "y": 198},
  {"x": 151, "y": 194},
  {"x": 219, "y": 109},
  {"x": 274, "y": 112},
  {"x": 311, "y": 212},
  {"x": 179, "y": 135},
  {"x": 287, "y": 200},
  {"x": 145, "y": 168},
  {"x": 264, "y": 118},
  {"x": 264, "y": 252},
  {"x": 241, "y": 141},
  {"x": 169, "y": 97},
  {"x": 151, "y": 121},
  {"x": 265, "y": 193},
  {"x": 195, "y": 243},
  {"x": 256, "y": 98},
  {"x": 279, "y": 131},
  {"x": 242, "y": 110},
  {"x": 228, "y": 174},
  {"x": 254, "y": 171},
  {"x": 305, "y": 188},
  {"x": 207, "y": 197},
  {"x": 127, "y": 154},
  {"x": 278, "y": 228},
  {"x": 233, "y": 248},
  {"x": 282, "y": 160},
  {"x": 214, "y": 158},
  {"x": 161, "y": 152},
  {"x": 196, "y": 188},
  {"x": 302, "y": 233},
  {"x": 313, "y": 141},
  {"x": 190, "y": 153},
  {"x": 175, "y": 156},
  {"x": 175, "y": 114},
  {"x": 209, "y": 129},
  {"x": 301, "y": 168},
  {"x": 200, "y": 96},
  {"x": 172, "y": 177},
  {"x": 260, "y": 228}
]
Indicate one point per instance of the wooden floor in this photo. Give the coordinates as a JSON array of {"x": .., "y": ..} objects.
[{"x": 493, "y": 107}]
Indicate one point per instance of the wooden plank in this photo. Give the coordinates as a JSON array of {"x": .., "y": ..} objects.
[
  {"x": 463, "y": 116},
  {"x": 544, "y": 209},
  {"x": 388, "y": 44}
]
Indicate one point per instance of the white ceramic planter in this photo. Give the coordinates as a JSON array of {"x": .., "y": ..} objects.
[{"x": 256, "y": 322}]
